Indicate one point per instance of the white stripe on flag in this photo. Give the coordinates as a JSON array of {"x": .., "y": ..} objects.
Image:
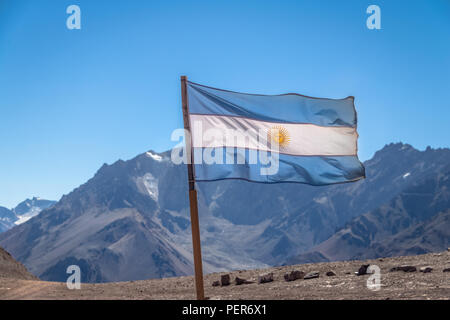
[{"x": 299, "y": 139}]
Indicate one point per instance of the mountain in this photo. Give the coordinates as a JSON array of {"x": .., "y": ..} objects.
[
  {"x": 7, "y": 219},
  {"x": 30, "y": 208},
  {"x": 304, "y": 225},
  {"x": 22, "y": 212},
  {"x": 415, "y": 221},
  {"x": 131, "y": 220},
  {"x": 112, "y": 226}
]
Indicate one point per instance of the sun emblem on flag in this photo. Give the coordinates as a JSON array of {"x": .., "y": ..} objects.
[{"x": 280, "y": 136}]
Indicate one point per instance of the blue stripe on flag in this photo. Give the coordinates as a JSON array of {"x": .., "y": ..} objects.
[
  {"x": 313, "y": 170},
  {"x": 286, "y": 108}
]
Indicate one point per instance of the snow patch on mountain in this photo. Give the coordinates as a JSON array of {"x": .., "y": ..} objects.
[
  {"x": 34, "y": 211},
  {"x": 148, "y": 184},
  {"x": 321, "y": 200},
  {"x": 154, "y": 156}
]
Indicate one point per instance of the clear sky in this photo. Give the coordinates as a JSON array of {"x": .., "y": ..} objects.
[{"x": 71, "y": 100}]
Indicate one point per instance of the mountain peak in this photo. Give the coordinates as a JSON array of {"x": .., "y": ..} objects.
[
  {"x": 399, "y": 146},
  {"x": 154, "y": 156},
  {"x": 405, "y": 147},
  {"x": 393, "y": 149},
  {"x": 158, "y": 156},
  {"x": 30, "y": 208}
]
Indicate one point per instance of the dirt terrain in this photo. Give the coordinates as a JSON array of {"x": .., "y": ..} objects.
[{"x": 344, "y": 285}]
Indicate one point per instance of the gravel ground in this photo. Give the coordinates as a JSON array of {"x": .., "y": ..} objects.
[{"x": 344, "y": 285}]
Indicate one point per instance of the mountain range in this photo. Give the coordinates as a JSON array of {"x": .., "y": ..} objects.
[
  {"x": 22, "y": 212},
  {"x": 415, "y": 221},
  {"x": 131, "y": 220}
]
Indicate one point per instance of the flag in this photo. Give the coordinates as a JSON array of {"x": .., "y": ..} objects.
[{"x": 272, "y": 138}]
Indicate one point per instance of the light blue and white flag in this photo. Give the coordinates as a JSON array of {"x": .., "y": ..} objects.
[{"x": 272, "y": 138}]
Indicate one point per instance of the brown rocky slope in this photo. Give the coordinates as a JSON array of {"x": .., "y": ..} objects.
[{"x": 10, "y": 268}]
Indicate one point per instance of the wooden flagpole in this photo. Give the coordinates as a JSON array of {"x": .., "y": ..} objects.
[{"x": 192, "y": 195}]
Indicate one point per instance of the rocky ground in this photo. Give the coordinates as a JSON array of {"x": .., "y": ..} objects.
[
  {"x": 344, "y": 285},
  {"x": 10, "y": 268}
]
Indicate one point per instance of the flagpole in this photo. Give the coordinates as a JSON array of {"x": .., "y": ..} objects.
[{"x": 192, "y": 195}]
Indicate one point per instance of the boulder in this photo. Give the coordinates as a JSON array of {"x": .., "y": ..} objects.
[
  {"x": 330, "y": 274},
  {"x": 312, "y": 275},
  {"x": 216, "y": 283},
  {"x": 238, "y": 281},
  {"x": 264, "y": 278},
  {"x": 294, "y": 275},
  {"x": 404, "y": 269},
  {"x": 225, "y": 280},
  {"x": 362, "y": 270},
  {"x": 446, "y": 270},
  {"x": 426, "y": 269}
]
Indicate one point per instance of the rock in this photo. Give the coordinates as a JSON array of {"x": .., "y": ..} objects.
[
  {"x": 446, "y": 270},
  {"x": 225, "y": 280},
  {"x": 264, "y": 278},
  {"x": 294, "y": 275},
  {"x": 311, "y": 275},
  {"x": 426, "y": 269},
  {"x": 239, "y": 281},
  {"x": 404, "y": 269},
  {"x": 216, "y": 283},
  {"x": 409, "y": 269},
  {"x": 330, "y": 274},
  {"x": 362, "y": 270}
]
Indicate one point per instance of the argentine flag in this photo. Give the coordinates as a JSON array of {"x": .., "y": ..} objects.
[{"x": 272, "y": 138}]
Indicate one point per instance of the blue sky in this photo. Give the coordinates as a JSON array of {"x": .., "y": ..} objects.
[{"x": 71, "y": 100}]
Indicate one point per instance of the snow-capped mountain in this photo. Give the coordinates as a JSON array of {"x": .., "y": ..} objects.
[
  {"x": 30, "y": 208},
  {"x": 23, "y": 212},
  {"x": 7, "y": 219},
  {"x": 131, "y": 220}
]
